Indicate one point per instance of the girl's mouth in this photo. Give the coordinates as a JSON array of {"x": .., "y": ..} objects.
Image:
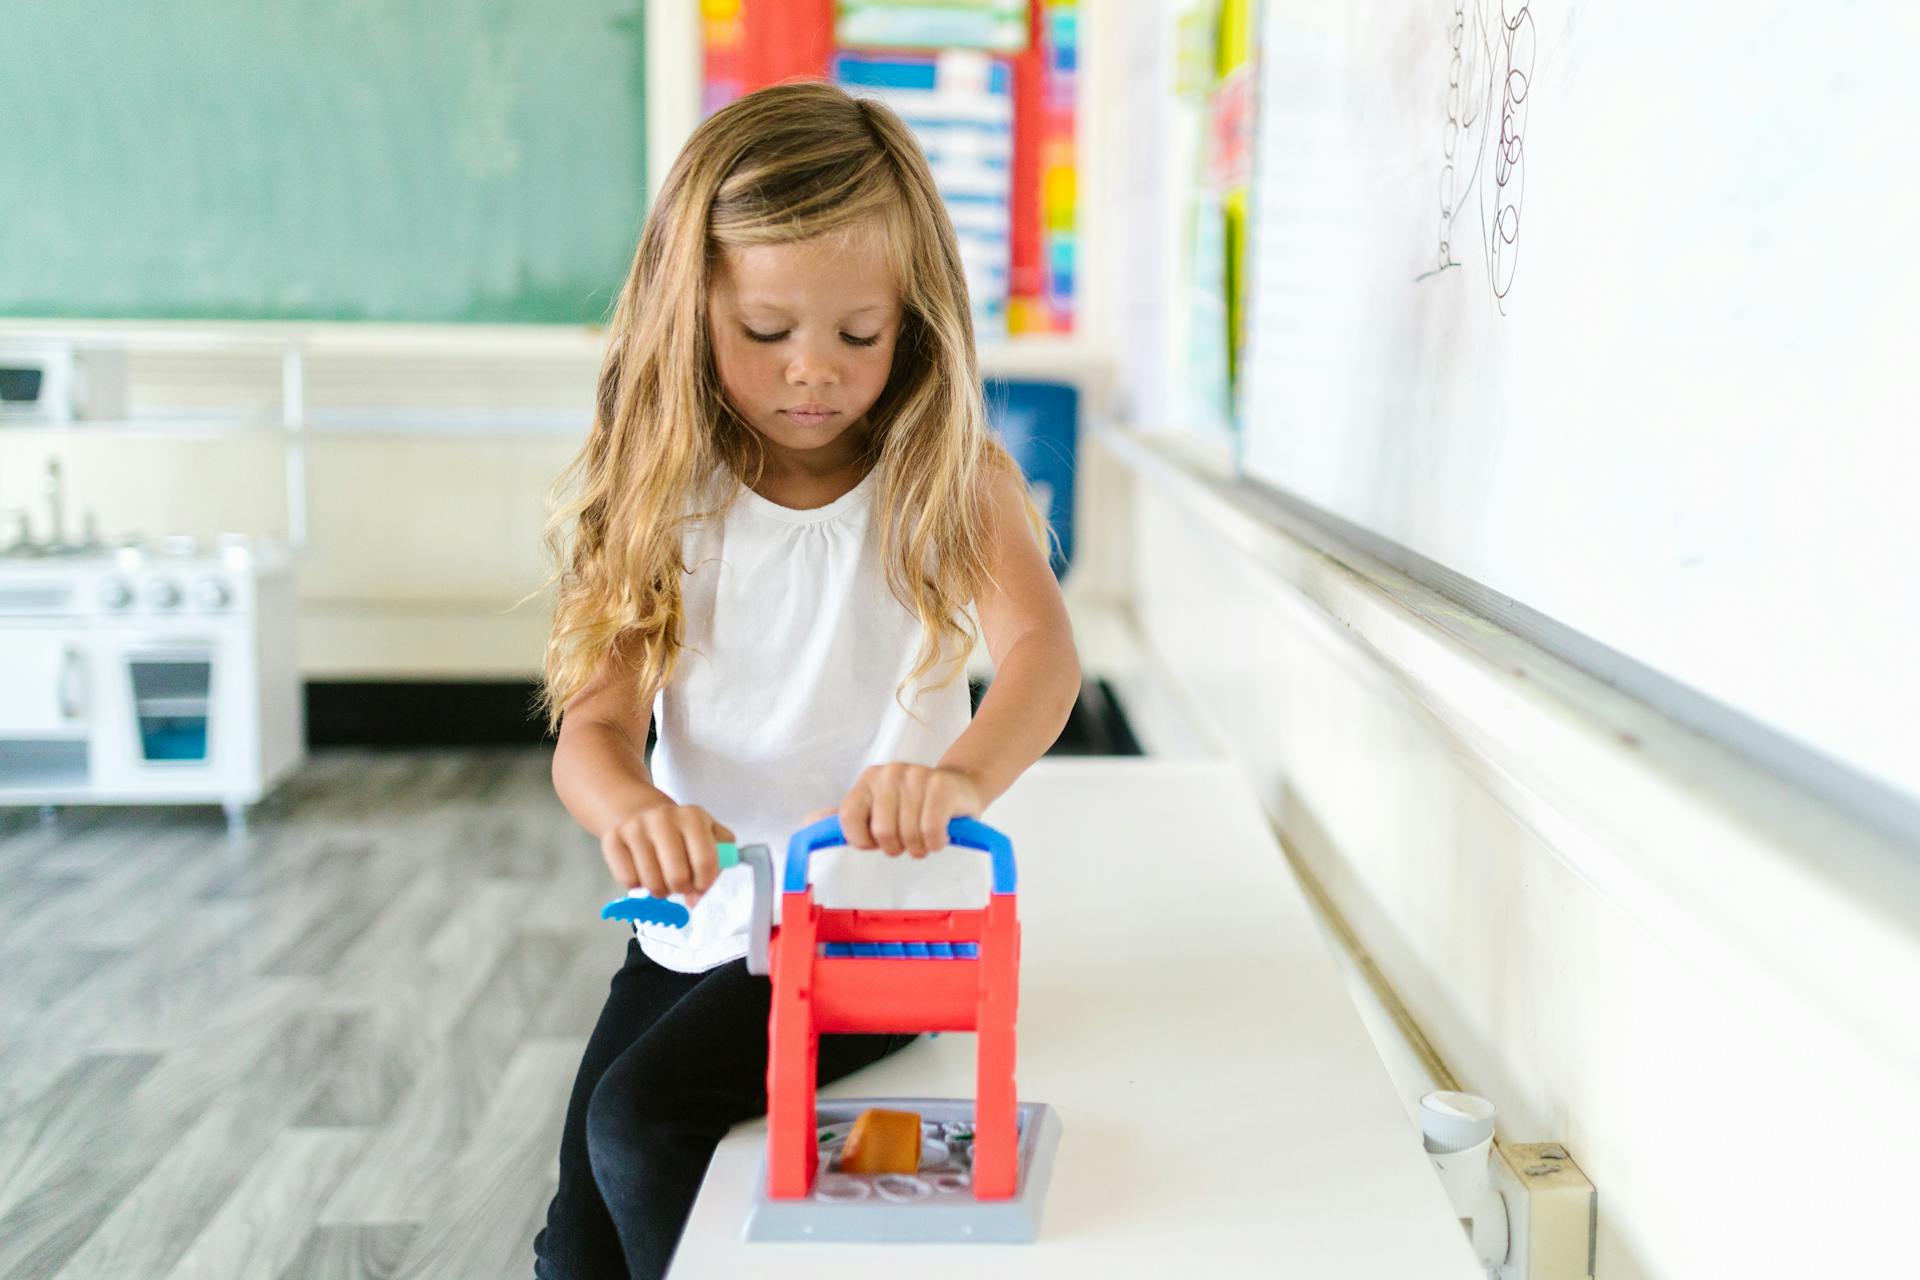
[{"x": 810, "y": 419}]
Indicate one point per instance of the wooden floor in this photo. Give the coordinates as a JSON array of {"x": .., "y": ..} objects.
[{"x": 339, "y": 1046}]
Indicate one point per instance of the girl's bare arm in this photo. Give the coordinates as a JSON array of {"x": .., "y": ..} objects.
[
  {"x": 600, "y": 762},
  {"x": 1036, "y": 675},
  {"x": 600, "y": 774},
  {"x": 905, "y": 808}
]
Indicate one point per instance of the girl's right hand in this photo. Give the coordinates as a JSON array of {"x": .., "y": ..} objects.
[{"x": 665, "y": 848}]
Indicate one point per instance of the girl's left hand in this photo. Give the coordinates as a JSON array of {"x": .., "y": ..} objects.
[{"x": 905, "y": 807}]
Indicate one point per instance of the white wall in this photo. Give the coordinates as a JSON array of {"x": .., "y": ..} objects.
[
  {"x": 428, "y": 452},
  {"x": 420, "y": 546}
]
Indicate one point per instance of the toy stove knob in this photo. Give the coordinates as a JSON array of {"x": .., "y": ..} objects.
[
  {"x": 212, "y": 593},
  {"x": 163, "y": 593},
  {"x": 115, "y": 593}
]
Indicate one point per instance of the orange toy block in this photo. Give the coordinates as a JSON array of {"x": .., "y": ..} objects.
[{"x": 883, "y": 1142}]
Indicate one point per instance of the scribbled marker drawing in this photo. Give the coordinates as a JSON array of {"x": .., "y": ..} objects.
[
  {"x": 1490, "y": 48},
  {"x": 1515, "y": 39},
  {"x": 1463, "y": 118}
]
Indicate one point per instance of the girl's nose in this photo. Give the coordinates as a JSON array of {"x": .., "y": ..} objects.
[{"x": 811, "y": 368}]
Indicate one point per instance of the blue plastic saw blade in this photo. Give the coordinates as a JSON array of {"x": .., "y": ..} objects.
[{"x": 646, "y": 911}]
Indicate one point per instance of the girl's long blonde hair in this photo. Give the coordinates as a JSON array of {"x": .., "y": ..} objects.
[{"x": 787, "y": 163}]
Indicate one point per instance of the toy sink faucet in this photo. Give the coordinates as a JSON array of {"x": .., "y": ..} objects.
[{"x": 976, "y": 1172}]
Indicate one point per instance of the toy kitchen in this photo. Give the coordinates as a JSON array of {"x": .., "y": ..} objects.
[{"x": 144, "y": 672}]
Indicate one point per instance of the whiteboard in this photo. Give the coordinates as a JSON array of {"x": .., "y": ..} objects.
[{"x": 1624, "y": 328}]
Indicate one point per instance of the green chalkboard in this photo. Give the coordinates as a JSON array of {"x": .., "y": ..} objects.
[{"x": 389, "y": 160}]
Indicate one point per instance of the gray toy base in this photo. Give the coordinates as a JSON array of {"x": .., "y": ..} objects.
[{"x": 937, "y": 1206}]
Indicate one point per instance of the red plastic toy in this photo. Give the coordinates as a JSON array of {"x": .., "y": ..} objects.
[{"x": 837, "y": 970}]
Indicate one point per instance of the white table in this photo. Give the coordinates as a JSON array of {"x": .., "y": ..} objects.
[{"x": 1224, "y": 1113}]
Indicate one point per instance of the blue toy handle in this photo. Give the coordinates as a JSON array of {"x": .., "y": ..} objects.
[{"x": 969, "y": 833}]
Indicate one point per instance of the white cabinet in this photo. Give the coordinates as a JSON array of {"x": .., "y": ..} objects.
[{"x": 44, "y": 685}]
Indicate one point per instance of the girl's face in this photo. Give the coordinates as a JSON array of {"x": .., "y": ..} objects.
[{"x": 803, "y": 336}]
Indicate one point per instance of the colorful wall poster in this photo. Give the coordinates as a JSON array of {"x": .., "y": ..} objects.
[
  {"x": 1045, "y": 230},
  {"x": 723, "y": 47},
  {"x": 959, "y": 105},
  {"x": 1216, "y": 70},
  {"x": 1230, "y": 168},
  {"x": 997, "y": 26}
]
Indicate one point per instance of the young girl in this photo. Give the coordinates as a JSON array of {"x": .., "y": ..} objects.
[{"x": 784, "y": 521}]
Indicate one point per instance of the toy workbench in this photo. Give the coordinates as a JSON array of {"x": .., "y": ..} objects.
[{"x": 888, "y": 1169}]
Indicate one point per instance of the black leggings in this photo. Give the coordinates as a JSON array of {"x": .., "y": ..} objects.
[{"x": 675, "y": 1061}]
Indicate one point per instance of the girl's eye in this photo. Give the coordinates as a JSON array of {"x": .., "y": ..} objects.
[{"x": 781, "y": 336}]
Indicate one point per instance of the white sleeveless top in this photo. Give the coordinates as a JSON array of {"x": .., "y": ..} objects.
[{"x": 792, "y": 651}]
